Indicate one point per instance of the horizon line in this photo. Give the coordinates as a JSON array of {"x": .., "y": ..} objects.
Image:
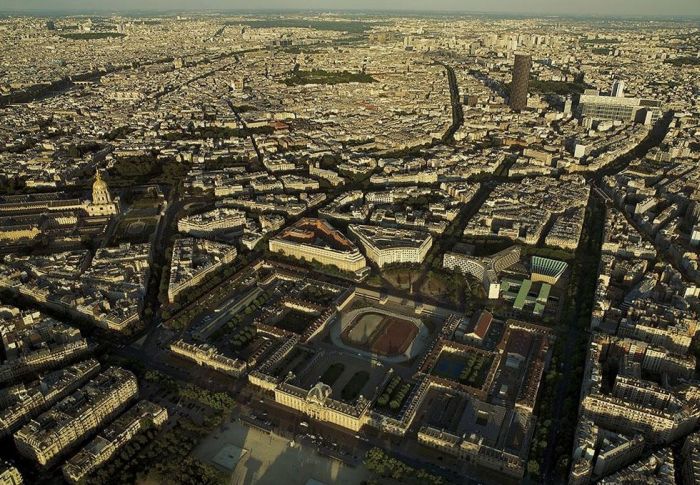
[{"x": 372, "y": 11}]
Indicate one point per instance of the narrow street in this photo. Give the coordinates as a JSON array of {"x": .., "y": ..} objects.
[{"x": 158, "y": 253}]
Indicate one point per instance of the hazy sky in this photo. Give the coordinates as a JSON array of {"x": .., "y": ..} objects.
[{"x": 554, "y": 7}]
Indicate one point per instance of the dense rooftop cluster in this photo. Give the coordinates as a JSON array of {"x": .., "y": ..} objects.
[{"x": 387, "y": 228}]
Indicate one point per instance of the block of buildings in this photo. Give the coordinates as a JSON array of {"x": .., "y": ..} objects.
[
  {"x": 315, "y": 240},
  {"x": 207, "y": 356},
  {"x": 25, "y": 402},
  {"x": 34, "y": 342},
  {"x": 206, "y": 224},
  {"x": 690, "y": 454},
  {"x": 484, "y": 269},
  {"x": 9, "y": 475},
  {"x": 619, "y": 108},
  {"x": 111, "y": 439},
  {"x": 547, "y": 270},
  {"x": 389, "y": 245},
  {"x": 193, "y": 260},
  {"x": 56, "y": 432}
]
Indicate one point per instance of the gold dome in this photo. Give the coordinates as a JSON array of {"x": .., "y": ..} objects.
[
  {"x": 100, "y": 191},
  {"x": 99, "y": 184}
]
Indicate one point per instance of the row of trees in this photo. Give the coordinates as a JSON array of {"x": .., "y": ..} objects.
[
  {"x": 214, "y": 295},
  {"x": 328, "y": 269},
  {"x": 473, "y": 370},
  {"x": 683, "y": 61},
  {"x": 165, "y": 456},
  {"x": 560, "y": 389},
  {"x": 233, "y": 324},
  {"x": 385, "y": 466},
  {"x": 394, "y": 393},
  {"x": 218, "y": 401},
  {"x": 319, "y": 76},
  {"x": 243, "y": 337}
]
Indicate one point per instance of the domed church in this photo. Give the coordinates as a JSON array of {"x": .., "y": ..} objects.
[{"x": 102, "y": 203}]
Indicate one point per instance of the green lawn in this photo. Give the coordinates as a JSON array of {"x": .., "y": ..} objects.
[
  {"x": 92, "y": 35},
  {"x": 332, "y": 373},
  {"x": 354, "y": 386},
  {"x": 296, "y": 321},
  {"x": 557, "y": 87},
  {"x": 320, "y": 76}
]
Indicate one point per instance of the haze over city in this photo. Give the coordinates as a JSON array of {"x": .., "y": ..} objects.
[
  {"x": 333, "y": 242},
  {"x": 600, "y": 8}
]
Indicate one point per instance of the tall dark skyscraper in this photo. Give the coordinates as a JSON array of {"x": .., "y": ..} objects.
[{"x": 521, "y": 78}]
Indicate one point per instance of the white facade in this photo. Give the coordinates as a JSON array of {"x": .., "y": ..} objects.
[
  {"x": 695, "y": 236},
  {"x": 388, "y": 245}
]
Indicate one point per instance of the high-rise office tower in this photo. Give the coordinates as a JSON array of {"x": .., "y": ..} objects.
[
  {"x": 618, "y": 89},
  {"x": 568, "y": 103},
  {"x": 521, "y": 79}
]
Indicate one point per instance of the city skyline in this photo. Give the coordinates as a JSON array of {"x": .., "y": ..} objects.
[{"x": 594, "y": 8}]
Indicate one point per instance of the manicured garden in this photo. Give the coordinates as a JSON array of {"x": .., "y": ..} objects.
[
  {"x": 243, "y": 337},
  {"x": 394, "y": 394},
  {"x": 332, "y": 374},
  {"x": 296, "y": 321},
  {"x": 354, "y": 386},
  {"x": 470, "y": 370}
]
